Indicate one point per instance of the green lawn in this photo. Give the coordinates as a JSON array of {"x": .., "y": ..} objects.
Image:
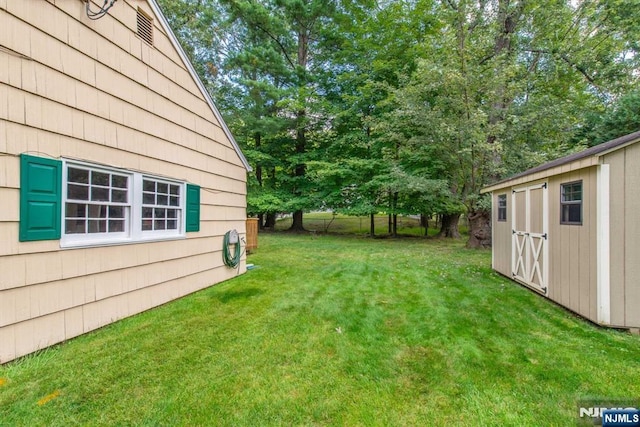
[
  {"x": 326, "y": 222},
  {"x": 331, "y": 330}
]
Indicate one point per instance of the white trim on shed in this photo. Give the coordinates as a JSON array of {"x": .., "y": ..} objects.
[{"x": 604, "y": 267}]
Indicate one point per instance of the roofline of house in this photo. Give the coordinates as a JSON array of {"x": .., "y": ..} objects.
[
  {"x": 174, "y": 40},
  {"x": 595, "y": 151}
]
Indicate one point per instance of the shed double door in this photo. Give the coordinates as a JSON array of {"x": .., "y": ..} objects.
[{"x": 530, "y": 245}]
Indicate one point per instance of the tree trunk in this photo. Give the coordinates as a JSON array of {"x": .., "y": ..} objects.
[
  {"x": 479, "y": 229},
  {"x": 394, "y": 232},
  {"x": 270, "y": 222},
  {"x": 258, "y": 141},
  {"x": 296, "y": 225},
  {"x": 508, "y": 17},
  {"x": 449, "y": 227},
  {"x": 257, "y": 138},
  {"x": 372, "y": 226},
  {"x": 301, "y": 117},
  {"x": 424, "y": 222}
]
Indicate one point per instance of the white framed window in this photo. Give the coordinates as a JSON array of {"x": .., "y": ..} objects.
[
  {"x": 571, "y": 203},
  {"x": 162, "y": 206},
  {"x": 502, "y": 207},
  {"x": 103, "y": 205}
]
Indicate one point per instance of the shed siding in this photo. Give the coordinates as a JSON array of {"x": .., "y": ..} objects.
[
  {"x": 625, "y": 236},
  {"x": 572, "y": 255},
  {"x": 94, "y": 91},
  {"x": 632, "y": 229},
  {"x": 618, "y": 234}
]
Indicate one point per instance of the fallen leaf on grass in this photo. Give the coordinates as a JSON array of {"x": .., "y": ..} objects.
[{"x": 48, "y": 397}]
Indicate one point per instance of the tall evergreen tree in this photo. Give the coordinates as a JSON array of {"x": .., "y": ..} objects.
[{"x": 410, "y": 106}]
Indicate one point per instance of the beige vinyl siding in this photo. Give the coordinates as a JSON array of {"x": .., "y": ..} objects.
[
  {"x": 625, "y": 235},
  {"x": 93, "y": 91},
  {"x": 19, "y": 304},
  {"x": 105, "y": 86}
]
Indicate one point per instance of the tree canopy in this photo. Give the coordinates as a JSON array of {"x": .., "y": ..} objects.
[{"x": 410, "y": 106}]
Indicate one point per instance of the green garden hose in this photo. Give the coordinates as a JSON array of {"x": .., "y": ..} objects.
[{"x": 231, "y": 261}]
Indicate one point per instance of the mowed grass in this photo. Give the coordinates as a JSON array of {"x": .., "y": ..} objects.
[
  {"x": 331, "y": 330},
  {"x": 327, "y": 222}
]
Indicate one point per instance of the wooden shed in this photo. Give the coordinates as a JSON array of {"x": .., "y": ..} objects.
[
  {"x": 118, "y": 176},
  {"x": 569, "y": 229}
]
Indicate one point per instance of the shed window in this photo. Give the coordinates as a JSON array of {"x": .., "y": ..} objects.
[
  {"x": 571, "y": 203},
  {"x": 502, "y": 207}
]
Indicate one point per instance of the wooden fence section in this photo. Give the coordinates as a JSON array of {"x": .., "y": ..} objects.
[{"x": 252, "y": 234}]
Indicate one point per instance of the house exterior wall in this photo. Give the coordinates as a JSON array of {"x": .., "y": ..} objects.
[
  {"x": 73, "y": 88},
  {"x": 625, "y": 235}
]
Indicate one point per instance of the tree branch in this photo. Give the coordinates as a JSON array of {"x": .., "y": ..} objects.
[
  {"x": 452, "y": 5},
  {"x": 579, "y": 68},
  {"x": 479, "y": 15},
  {"x": 239, "y": 11},
  {"x": 280, "y": 45},
  {"x": 582, "y": 70}
]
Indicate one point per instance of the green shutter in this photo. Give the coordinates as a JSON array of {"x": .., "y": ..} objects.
[
  {"x": 193, "y": 207},
  {"x": 40, "y": 198}
]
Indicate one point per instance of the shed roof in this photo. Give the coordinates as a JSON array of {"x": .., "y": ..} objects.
[
  {"x": 580, "y": 159},
  {"x": 176, "y": 44}
]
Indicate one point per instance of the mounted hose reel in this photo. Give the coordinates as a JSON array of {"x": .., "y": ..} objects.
[{"x": 231, "y": 239}]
